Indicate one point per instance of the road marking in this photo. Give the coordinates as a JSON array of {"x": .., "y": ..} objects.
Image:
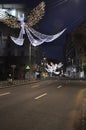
[
  {"x": 35, "y": 86},
  {"x": 41, "y": 96},
  {"x": 3, "y": 94},
  {"x": 59, "y": 86}
]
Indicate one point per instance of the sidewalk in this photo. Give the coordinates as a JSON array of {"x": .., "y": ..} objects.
[
  {"x": 4, "y": 84},
  {"x": 83, "y": 111},
  {"x": 80, "y": 123}
]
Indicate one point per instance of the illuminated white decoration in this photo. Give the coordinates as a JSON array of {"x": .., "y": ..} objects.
[
  {"x": 20, "y": 40},
  {"x": 57, "y": 72},
  {"x": 40, "y": 38},
  {"x": 60, "y": 65},
  {"x": 36, "y": 38},
  {"x": 17, "y": 41},
  {"x": 49, "y": 68},
  {"x": 32, "y": 18},
  {"x": 52, "y": 68},
  {"x": 3, "y": 14},
  {"x": 33, "y": 41},
  {"x": 46, "y": 38}
]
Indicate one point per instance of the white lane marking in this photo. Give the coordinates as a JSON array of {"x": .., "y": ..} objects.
[
  {"x": 3, "y": 94},
  {"x": 59, "y": 86},
  {"x": 35, "y": 86},
  {"x": 41, "y": 96}
]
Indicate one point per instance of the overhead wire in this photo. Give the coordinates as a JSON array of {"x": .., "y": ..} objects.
[
  {"x": 54, "y": 4},
  {"x": 77, "y": 20}
]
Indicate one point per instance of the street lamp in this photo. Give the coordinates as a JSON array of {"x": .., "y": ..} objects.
[
  {"x": 30, "y": 54},
  {"x": 29, "y": 61}
]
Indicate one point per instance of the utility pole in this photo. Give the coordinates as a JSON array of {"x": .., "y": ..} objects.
[
  {"x": 30, "y": 55},
  {"x": 30, "y": 47}
]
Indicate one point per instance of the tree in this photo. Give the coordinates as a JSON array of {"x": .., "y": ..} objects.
[{"x": 79, "y": 38}]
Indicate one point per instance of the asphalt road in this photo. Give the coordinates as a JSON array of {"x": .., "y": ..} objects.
[{"x": 46, "y": 105}]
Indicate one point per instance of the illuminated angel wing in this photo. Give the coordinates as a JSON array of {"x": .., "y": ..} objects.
[
  {"x": 36, "y": 14},
  {"x": 33, "y": 18},
  {"x": 8, "y": 19}
]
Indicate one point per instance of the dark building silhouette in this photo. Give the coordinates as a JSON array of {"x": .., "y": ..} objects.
[
  {"x": 12, "y": 54},
  {"x": 75, "y": 48}
]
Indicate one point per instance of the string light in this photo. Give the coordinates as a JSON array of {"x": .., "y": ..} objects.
[
  {"x": 46, "y": 38},
  {"x": 52, "y": 68},
  {"x": 34, "y": 17},
  {"x": 36, "y": 14}
]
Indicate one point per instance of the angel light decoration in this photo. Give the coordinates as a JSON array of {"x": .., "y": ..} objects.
[
  {"x": 36, "y": 38},
  {"x": 52, "y": 68}
]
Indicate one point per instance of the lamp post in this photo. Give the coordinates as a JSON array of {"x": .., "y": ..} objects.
[
  {"x": 30, "y": 60},
  {"x": 30, "y": 55},
  {"x": 72, "y": 63}
]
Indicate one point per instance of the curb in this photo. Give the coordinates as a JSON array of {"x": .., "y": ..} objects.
[
  {"x": 80, "y": 123},
  {"x": 83, "y": 112},
  {"x": 17, "y": 83}
]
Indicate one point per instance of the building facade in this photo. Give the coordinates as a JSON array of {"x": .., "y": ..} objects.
[{"x": 13, "y": 57}]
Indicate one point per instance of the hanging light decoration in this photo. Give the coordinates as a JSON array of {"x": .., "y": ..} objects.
[
  {"x": 52, "y": 68},
  {"x": 45, "y": 38},
  {"x": 26, "y": 27}
]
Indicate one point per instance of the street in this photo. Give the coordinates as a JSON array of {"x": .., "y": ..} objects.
[{"x": 46, "y": 105}]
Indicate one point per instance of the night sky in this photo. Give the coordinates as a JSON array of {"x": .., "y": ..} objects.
[{"x": 59, "y": 14}]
